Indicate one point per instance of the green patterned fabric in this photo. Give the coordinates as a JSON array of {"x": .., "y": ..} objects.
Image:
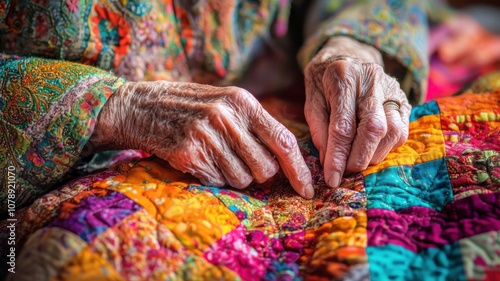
[{"x": 49, "y": 112}]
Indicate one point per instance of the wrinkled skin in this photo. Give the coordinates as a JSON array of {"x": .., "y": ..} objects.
[
  {"x": 346, "y": 88},
  {"x": 221, "y": 135}
]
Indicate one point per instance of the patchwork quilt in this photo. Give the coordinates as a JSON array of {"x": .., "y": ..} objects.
[{"x": 429, "y": 211}]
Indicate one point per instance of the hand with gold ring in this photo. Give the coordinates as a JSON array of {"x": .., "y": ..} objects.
[{"x": 356, "y": 112}]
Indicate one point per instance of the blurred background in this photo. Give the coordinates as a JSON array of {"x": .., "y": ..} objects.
[
  {"x": 465, "y": 3},
  {"x": 460, "y": 52},
  {"x": 464, "y": 48},
  {"x": 479, "y": 9}
]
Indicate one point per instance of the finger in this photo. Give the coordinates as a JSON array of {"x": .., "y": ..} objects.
[
  {"x": 393, "y": 137},
  {"x": 317, "y": 119},
  {"x": 195, "y": 161},
  {"x": 275, "y": 137},
  {"x": 398, "y": 118},
  {"x": 316, "y": 115},
  {"x": 372, "y": 125},
  {"x": 235, "y": 172},
  {"x": 283, "y": 144},
  {"x": 257, "y": 159},
  {"x": 340, "y": 83}
]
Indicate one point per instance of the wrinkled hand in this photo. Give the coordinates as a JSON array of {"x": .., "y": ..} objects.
[
  {"x": 221, "y": 135},
  {"x": 356, "y": 113}
]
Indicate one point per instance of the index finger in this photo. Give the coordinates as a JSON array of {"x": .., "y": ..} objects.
[{"x": 283, "y": 144}]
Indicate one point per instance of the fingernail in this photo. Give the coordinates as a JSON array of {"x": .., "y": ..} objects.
[
  {"x": 334, "y": 180},
  {"x": 308, "y": 191}
]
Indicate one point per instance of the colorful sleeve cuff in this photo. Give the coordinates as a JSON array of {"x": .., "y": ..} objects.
[{"x": 49, "y": 111}]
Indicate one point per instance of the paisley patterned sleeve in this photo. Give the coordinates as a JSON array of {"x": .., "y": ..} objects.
[
  {"x": 399, "y": 28},
  {"x": 49, "y": 109}
]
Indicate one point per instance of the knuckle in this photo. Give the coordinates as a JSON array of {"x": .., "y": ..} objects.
[
  {"x": 285, "y": 139},
  {"x": 239, "y": 95},
  {"x": 232, "y": 92},
  {"x": 340, "y": 68},
  {"x": 376, "y": 127},
  {"x": 344, "y": 129},
  {"x": 341, "y": 74},
  {"x": 243, "y": 102},
  {"x": 218, "y": 115}
]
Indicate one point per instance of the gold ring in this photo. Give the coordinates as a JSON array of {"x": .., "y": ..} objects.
[{"x": 392, "y": 103}]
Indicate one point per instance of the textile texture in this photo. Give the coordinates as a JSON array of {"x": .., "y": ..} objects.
[
  {"x": 202, "y": 41},
  {"x": 429, "y": 211},
  {"x": 49, "y": 110},
  {"x": 60, "y": 60}
]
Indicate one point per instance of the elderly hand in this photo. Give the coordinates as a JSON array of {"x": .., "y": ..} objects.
[
  {"x": 356, "y": 112},
  {"x": 218, "y": 134}
]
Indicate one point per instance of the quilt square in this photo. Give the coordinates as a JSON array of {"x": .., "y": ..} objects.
[{"x": 395, "y": 188}]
